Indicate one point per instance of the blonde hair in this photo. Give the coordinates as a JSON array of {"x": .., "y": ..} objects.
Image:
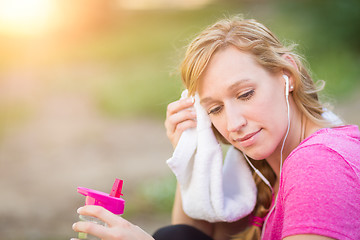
[{"x": 251, "y": 36}]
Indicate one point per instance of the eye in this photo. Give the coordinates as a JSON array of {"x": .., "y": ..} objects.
[
  {"x": 246, "y": 96},
  {"x": 215, "y": 110}
]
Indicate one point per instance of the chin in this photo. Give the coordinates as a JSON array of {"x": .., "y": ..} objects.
[{"x": 257, "y": 155}]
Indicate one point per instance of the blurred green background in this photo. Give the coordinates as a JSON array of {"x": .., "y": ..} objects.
[{"x": 84, "y": 86}]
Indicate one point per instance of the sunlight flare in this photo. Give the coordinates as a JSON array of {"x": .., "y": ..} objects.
[{"x": 24, "y": 17}]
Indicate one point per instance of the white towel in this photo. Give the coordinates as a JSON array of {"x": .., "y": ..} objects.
[
  {"x": 211, "y": 190},
  {"x": 332, "y": 117}
]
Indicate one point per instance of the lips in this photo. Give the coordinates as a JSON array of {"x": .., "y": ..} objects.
[{"x": 248, "y": 139}]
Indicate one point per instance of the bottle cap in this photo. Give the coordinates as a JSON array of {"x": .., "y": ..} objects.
[{"x": 112, "y": 202}]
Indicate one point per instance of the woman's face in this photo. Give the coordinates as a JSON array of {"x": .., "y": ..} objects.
[{"x": 246, "y": 103}]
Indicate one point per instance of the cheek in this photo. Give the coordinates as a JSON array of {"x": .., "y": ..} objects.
[
  {"x": 270, "y": 108},
  {"x": 217, "y": 123},
  {"x": 220, "y": 127},
  {"x": 274, "y": 120}
]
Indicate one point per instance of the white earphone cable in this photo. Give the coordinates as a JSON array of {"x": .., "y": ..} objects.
[
  {"x": 259, "y": 173},
  {"x": 281, "y": 161}
]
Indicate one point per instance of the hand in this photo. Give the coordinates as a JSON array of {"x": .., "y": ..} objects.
[
  {"x": 180, "y": 116},
  {"x": 117, "y": 227}
]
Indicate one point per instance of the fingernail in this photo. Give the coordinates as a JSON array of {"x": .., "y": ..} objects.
[
  {"x": 79, "y": 209},
  {"x": 192, "y": 99},
  {"x": 73, "y": 226}
]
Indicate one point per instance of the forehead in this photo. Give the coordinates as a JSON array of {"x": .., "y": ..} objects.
[{"x": 229, "y": 65}]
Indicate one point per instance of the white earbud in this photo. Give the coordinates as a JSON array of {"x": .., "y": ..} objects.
[{"x": 286, "y": 85}]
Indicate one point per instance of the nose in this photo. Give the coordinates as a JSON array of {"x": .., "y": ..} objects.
[{"x": 235, "y": 119}]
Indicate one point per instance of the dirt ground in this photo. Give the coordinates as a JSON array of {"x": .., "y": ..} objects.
[{"x": 69, "y": 144}]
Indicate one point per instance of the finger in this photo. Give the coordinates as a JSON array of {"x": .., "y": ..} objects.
[
  {"x": 91, "y": 228},
  {"x": 100, "y": 213},
  {"x": 173, "y": 120},
  {"x": 179, "y": 105},
  {"x": 177, "y": 129},
  {"x": 181, "y": 127}
]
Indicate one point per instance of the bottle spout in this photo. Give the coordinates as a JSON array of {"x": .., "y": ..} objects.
[{"x": 116, "y": 189}]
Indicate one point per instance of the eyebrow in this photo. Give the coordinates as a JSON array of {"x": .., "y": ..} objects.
[{"x": 235, "y": 85}]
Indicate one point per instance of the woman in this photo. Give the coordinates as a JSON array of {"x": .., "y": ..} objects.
[{"x": 261, "y": 99}]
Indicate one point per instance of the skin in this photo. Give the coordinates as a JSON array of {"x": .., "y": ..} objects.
[
  {"x": 117, "y": 229},
  {"x": 242, "y": 98},
  {"x": 247, "y": 105}
]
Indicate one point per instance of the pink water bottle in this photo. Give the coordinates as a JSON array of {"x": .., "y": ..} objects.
[{"x": 112, "y": 202}]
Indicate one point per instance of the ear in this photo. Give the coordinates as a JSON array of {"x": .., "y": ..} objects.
[
  {"x": 292, "y": 62},
  {"x": 290, "y": 59}
]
